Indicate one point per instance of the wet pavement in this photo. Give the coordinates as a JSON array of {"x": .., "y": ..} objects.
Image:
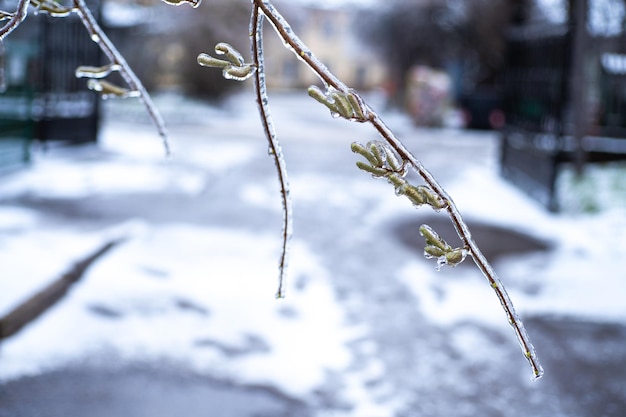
[
  {"x": 139, "y": 390},
  {"x": 421, "y": 368}
]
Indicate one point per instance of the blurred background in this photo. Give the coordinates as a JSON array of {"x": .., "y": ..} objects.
[
  {"x": 547, "y": 74},
  {"x": 516, "y": 106}
]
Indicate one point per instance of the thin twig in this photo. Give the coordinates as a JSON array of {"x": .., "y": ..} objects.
[
  {"x": 97, "y": 35},
  {"x": 299, "y": 48},
  {"x": 256, "y": 34},
  {"x": 15, "y": 20}
]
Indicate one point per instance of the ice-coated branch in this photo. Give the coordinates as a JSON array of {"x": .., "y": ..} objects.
[
  {"x": 256, "y": 38},
  {"x": 119, "y": 63},
  {"x": 337, "y": 90},
  {"x": 14, "y": 19}
]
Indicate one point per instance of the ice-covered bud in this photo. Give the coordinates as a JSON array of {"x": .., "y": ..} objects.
[
  {"x": 436, "y": 247},
  {"x": 230, "y": 53},
  {"x": 316, "y": 93},
  {"x": 241, "y": 73},
  {"x": 432, "y": 238},
  {"x": 413, "y": 193},
  {"x": 356, "y": 147},
  {"x": 456, "y": 256},
  {"x": 5, "y": 15},
  {"x": 361, "y": 150},
  {"x": 397, "y": 181},
  {"x": 96, "y": 72},
  {"x": 377, "y": 149},
  {"x": 233, "y": 68},
  {"x": 348, "y": 105},
  {"x": 431, "y": 251},
  {"x": 208, "y": 61},
  {"x": 432, "y": 199},
  {"x": 51, "y": 7},
  {"x": 192, "y": 3},
  {"x": 395, "y": 165},
  {"x": 343, "y": 106},
  {"x": 107, "y": 89},
  {"x": 361, "y": 113},
  {"x": 375, "y": 171}
]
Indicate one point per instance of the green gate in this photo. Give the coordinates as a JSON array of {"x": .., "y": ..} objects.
[
  {"x": 17, "y": 125},
  {"x": 42, "y": 99}
]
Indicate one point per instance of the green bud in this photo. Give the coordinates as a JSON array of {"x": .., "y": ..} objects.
[
  {"x": 315, "y": 92},
  {"x": 414, "y": 194},
  {"x": 230, "y": 53},
  {"x": 95, "y": 72},
  {"x": 456, "y": 256},
  {"x": 431, "y": 251},
  {"x": 398, "y": 182},
  {"x": 108, "y": 89},
  {"x": 238, "y": 73},
  {"x": 358, "y": 106},
  {"x": 393, "y": 163},
  {"x": 377, "y": 172},
  {"x": 321, "y": 97},
  {"x": 51, "y": 7},
  {"x": 361, "y": 150},
  {"x": 432, "y": 198},
  {"x": 342, "y": 104},
  {"x": 377, "y": 149},
  {"x": 432, "y": 238},
  {"x": 356, "y": 147},
  {"x": 208, "y": 61}
]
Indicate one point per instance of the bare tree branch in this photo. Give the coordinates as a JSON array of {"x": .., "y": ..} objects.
[{"x": 15, "y": 19}]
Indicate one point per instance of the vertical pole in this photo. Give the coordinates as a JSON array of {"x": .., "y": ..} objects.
[{"x": 579, "y": 80}]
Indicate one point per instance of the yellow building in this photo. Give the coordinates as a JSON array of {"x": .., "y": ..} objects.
[{"x": 330, "y": 36}]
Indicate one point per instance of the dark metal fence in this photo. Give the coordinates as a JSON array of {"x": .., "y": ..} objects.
[
  {"x": 43, "y": 100},
  {"x": 64, "y": 108},
  {"x": 535, "y": 97},
  {"x": 543, "y": 121}
]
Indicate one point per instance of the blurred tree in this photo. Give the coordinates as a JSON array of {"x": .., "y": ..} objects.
[
  {"x": 166, "y": 41},
  {"x": 203, "y": 28},
  {"x": 465, "y": 33}
]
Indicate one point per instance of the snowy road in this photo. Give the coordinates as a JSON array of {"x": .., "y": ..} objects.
[{"x": 181, "y": 318}]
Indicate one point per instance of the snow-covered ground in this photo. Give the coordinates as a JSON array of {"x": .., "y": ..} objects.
[{"x": 201, "y": 295}]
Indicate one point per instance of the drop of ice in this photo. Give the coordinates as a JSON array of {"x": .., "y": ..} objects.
[{"x": 441, "y": 261}]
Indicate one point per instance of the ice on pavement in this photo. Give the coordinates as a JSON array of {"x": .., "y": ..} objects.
[
  {"x": 203, "y": 296},
  {"x": 196, "y": 305}
]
